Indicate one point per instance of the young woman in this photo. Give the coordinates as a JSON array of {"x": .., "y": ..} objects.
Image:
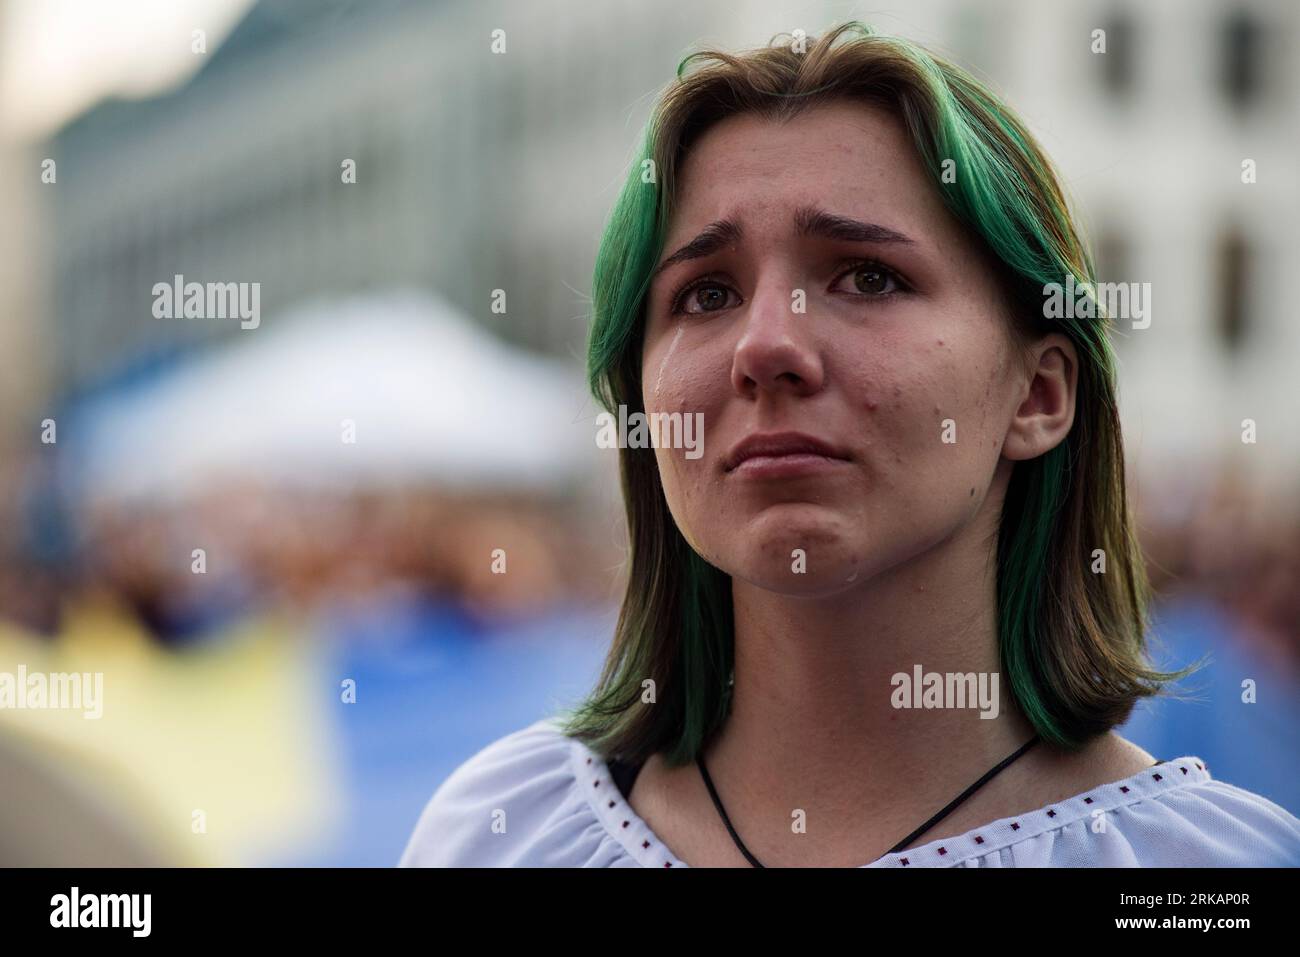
[{"x": 893, "y": 611}]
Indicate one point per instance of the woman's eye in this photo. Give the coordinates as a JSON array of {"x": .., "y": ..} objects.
[
  {"x": 873, "y": 279},
  {"x": 703, "y": 297},
  {"x": 870, "y": 279}
]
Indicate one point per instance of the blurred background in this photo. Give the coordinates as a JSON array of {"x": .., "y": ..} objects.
[{"x": 277, "y": 544}]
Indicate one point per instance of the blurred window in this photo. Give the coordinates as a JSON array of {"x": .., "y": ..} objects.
[
  {"x": 1233, "y": 255},
  {"x": 1118, "y": 63},
  {"x": 1241, "y": 66},
  {"x": 1112, "y": 257}
]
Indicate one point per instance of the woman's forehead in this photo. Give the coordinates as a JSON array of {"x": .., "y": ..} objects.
[
  {"x": 854, "y": 159},
  {"x": 838, "y": 136}
]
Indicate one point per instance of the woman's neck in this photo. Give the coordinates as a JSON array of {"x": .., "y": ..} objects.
[{"x": 816, "y": 723}]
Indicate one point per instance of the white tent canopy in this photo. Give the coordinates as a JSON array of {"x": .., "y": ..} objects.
[{"x": 423, "y": 392}]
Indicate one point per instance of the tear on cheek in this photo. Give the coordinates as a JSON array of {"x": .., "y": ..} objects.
[{"x": 659, "y": 380}]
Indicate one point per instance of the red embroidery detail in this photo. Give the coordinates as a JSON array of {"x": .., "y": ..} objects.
[
  {"x": 1051, "y": 814},
  {"x": 645, "y": 843},
  {"x": 1199, "y": 768},
  {"x": 943, "y": 850},
  {"x": 611, "y": 803},
  {"x": 1087, "y": 800},
  {"x": 978, "y": 839},
  {"x": 1184, "y": 770},
  {"x": 1157, "y": 777},
  {"x": 1123, "y": 789},
  {"x": 1015, "y": 827},
  {"x": 625, "y": 823},
  {"x": 905, "y": 862}
]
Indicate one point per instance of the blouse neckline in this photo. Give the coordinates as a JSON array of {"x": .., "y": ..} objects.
[{"x": 616, "y": 816}]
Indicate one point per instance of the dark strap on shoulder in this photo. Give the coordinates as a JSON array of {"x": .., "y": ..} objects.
[{"x": 624, "y": 775}]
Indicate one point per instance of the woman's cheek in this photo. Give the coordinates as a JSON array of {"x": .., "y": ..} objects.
[
  {"x": 913, "y": 431},
  {"x": 674, "y": 388},
  {"x": 689, "y": 501}
]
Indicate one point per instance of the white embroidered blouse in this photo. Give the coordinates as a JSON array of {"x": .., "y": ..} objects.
[{"x": 561, "y": 808}]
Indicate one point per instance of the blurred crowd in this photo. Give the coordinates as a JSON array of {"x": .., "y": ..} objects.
[
  {"x": 1227, "y": 543},
  {"x": 185, "y": 568}
]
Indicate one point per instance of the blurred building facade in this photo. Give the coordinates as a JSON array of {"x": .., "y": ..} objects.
[
  {"x": 24, "y": 342},
  {"x": 460, "y": 155},
  {"x": 1152, "y": 137},
  {"x": 479, "y": 170}
]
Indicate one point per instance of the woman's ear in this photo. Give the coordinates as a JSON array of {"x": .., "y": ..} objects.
[{"x": 1046, "y": 410}]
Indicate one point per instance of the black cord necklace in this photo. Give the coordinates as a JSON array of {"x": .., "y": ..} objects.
[{"x": 717, "y": 802}]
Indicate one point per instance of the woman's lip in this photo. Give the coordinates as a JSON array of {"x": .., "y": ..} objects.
[
  {"x": 771, "y": 444},
  {"x": 789, "y": 465}
]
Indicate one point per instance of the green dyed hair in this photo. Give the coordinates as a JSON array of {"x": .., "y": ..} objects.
[{"x": 1072, "y": 642}]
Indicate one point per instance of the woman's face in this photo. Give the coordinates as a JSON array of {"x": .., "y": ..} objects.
[{"x": 824, "y": 290}]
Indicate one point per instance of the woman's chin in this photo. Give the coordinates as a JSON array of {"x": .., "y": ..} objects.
[
  {"x": 799, "y": 549},
  {"x": 806, "y": 565},
  {"x": 782, "y": 580}
]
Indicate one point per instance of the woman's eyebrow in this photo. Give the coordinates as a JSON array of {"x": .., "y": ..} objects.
[
  {"x": 811, "y": 221},
  {"x": 724, "y": 232},
  {"x": 808, "y": 220}
]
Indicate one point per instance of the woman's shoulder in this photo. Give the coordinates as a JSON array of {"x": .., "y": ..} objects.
[
  {"x": 515, "y": 802},
  {"x": 1222, "y": 825},
  {"x": 1174, "y": 814},
  {"x": 1207, "y": 823}
]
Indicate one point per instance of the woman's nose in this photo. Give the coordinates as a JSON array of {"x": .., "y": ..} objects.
[{"x": 777, "y": 350}]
